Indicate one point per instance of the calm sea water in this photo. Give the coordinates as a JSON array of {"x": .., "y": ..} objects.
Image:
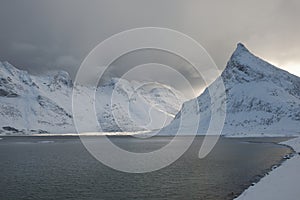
[{"x": 61, "y": 168}]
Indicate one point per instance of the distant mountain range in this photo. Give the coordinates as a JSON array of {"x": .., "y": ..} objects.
[
  {"x": 261, "y": 99},
  {"x": 43, "y": 104}
]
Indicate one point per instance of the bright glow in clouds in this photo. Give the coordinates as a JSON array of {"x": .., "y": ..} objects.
[{"x": 291, "y": 67}]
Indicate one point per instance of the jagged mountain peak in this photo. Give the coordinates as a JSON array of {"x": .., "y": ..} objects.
[
  {"x": 241, "y": 48},
  {"x": 244, "y": 66},
  {"x": 260, "y": 99},
  {"x": 244, "y": 60},
  {"x": 243, "y": 56},
  {"x": 63, "y": 77},
  {"x": 6, "y": 67},
  {"x": 5, "y": 63}
]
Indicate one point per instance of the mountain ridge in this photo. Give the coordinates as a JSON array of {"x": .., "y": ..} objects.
[
  {"x": 261, "y": 99},
  {"x": 43, "y": 104}
]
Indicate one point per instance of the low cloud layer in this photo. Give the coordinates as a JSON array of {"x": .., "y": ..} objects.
[{"x": 57, "y": 34}]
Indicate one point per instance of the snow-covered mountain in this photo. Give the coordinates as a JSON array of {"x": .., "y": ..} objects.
[
  {"x": 260, "y": 99},
  {"x": 134, "y": 106},
  {"x": 32, "y": 104},
  {"x": 42, "y": 104}
]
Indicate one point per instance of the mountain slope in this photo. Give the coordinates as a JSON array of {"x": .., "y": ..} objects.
[
  {"x": 32, "y": 104},
  {"x": 132, "y": 106},
  {"x": 40, "y": 104},
  {"x": 260, "y": 99}
]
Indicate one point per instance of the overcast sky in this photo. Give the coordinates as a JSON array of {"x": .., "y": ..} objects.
[{"x": 57, "y": 34}]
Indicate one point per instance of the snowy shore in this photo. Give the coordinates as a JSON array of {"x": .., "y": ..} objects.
[
  {"x": 281, "y": 183},
  {"x": 81, "y": 134}
]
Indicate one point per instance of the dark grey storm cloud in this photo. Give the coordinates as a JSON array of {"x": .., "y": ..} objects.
[{"x": 57, "y": 34}]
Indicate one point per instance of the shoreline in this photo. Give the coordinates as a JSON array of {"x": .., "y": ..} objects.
[
  {"x": 281, "y": 182},
  {"x": 74, "y": 134},
  {"x": 147, "y": 132}
]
